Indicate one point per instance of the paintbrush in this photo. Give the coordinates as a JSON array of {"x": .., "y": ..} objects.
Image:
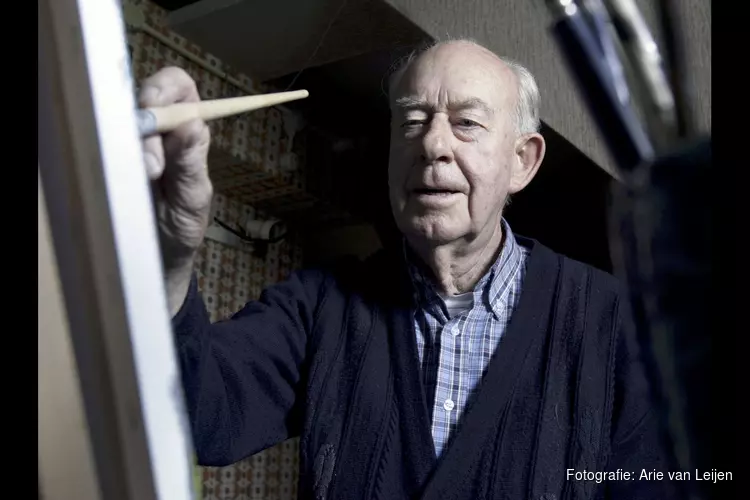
[{"x": 159, "y": 120}]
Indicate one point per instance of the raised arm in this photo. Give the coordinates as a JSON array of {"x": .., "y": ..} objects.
[{"x": 242, "y": 377}]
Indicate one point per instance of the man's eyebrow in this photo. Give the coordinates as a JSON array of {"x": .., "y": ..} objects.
[
  {"x": 410, "y": 103},
  {"x": 407, "y": 103}
]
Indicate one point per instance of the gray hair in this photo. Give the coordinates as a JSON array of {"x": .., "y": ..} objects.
[{"x": 526, "y": 118}]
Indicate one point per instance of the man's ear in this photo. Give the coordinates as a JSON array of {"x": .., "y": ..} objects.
[{"x": 530, "y": 149}]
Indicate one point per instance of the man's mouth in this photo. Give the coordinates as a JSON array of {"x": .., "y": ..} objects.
[{"x": 434, "y": 192}]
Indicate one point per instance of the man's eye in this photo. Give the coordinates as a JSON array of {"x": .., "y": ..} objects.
[
  {"x": 466, "y": 123},
  {"x": 412, "y": 123}
]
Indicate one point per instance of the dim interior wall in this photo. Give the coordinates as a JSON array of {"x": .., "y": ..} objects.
[
  {"x": 354, "y": 240},
  {"x": 247, "y": 150}
]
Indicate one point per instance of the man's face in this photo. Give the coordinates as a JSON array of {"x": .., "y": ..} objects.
[{"x": 452, "y": 144}]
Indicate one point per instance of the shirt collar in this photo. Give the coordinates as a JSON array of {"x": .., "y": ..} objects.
[{"x": 490, "y": 290}]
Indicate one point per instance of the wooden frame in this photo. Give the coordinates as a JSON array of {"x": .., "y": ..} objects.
[{"x": 111, "y": 410}]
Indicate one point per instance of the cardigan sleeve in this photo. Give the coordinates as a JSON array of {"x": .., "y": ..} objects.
[
  {"x": 243, "y": 377},
  {"x": 638, "y": 443}
]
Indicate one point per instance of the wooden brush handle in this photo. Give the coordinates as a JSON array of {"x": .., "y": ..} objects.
[{"x": 168, "y": 118}]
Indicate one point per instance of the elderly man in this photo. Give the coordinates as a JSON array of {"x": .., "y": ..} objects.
[{"x": 468, "y": 363}]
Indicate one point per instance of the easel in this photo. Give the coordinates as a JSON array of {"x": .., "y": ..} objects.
[{"x": 111, "y": 419}]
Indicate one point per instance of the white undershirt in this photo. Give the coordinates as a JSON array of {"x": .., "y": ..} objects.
[{"x": 457, "y": 304}]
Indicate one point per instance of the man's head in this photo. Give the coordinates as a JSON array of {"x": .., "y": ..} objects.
[{"x": 464, "y": 136}]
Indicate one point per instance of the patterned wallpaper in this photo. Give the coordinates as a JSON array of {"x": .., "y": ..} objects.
[{"x": 244, "y": 166}]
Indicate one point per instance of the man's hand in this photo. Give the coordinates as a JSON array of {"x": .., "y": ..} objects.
[{"x": 177, "y": 166}]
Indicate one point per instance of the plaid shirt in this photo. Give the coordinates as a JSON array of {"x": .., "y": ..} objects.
[{"x": 454, "y": 350}]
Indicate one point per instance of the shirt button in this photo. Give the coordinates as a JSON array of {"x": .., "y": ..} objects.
[
  {"x": 448, "y": 405},
  {"x": 455, "y": 331}
]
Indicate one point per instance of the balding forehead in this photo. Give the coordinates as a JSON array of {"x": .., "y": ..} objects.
[
  {"x": 461, "y": 53},
  {"x": 459, "y": 47},
  {"x": 467, "y": 52}
]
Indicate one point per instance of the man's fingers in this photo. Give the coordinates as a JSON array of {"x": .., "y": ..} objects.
[
  {"x": 153, "y": 157},
  {"x": 168, "y": 86},
  {"x": 187, "y": 146}
]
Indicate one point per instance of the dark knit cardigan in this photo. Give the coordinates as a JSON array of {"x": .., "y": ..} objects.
[{"x": 331, "y": 356}]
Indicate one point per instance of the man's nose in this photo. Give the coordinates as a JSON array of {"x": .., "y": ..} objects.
[{"x": 436, "y": 142}]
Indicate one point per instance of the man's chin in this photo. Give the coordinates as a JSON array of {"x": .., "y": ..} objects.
[{"x": 431, "y": 232}]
